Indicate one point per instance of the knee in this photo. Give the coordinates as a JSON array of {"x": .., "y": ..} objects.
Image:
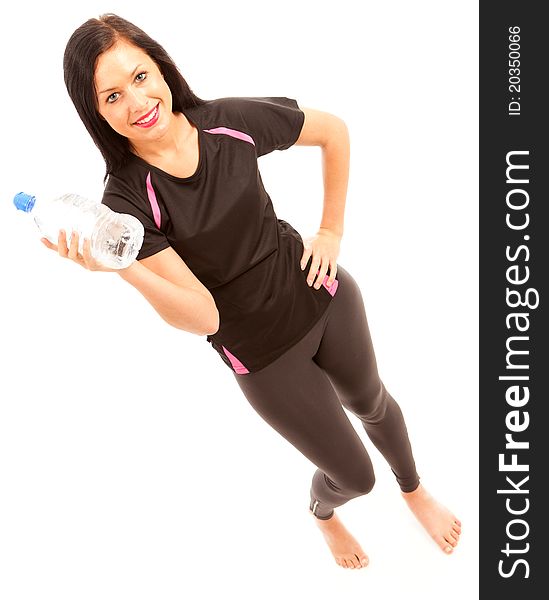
[
  {"x": 363, "y": 482},
  {"x": 370, "y": 404}
]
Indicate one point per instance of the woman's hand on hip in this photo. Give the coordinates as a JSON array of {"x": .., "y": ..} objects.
[{"x": 324, "y": 250}]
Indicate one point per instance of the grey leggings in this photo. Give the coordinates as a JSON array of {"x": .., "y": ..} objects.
[{"x": 301, "y": 395}]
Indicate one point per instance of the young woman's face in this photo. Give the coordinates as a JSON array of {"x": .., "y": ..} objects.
[{"x": 132, "y": 95}]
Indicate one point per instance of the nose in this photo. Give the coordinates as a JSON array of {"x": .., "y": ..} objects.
[{"x": 137, "y": 102}]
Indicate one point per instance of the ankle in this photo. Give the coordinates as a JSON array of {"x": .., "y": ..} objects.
[
  {"x": 326, "y": 524},
  {"x": 419, "y": 492}
]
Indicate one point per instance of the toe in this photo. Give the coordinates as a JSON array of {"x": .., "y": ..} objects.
[
  {"x": 364, "y": 561},
  {"x": 351, "y": 563},
  {"x": 344, "y": 563},
  {"x": 454, "y": 536},
  {"x": 444, "y": 545}
]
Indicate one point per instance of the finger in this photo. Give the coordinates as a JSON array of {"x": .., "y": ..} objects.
[
  {"x": 305, "y": 258},
  {"x": 86, "y": 250},
  {"x": 315, "y": 264},
  {"x": 333, "y": 273},
  {"x": 86, "y": 254},
  {"x": 73, "y": 250},
  {"x": 48, "y": 244},
  {"x": 62, "y": 244},
  {"x": 322, "y": 273},
  {"x": 89, "y": 261}
]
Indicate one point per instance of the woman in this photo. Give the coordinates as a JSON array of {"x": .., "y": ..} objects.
[{"x": 215, "y": 261}]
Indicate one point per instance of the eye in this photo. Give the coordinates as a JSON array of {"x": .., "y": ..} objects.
[
  {"x": 141, "y": 76},
  {"x": 112, "y": 98}
]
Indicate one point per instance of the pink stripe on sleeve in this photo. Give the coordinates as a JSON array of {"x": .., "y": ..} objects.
[
  {"x": 237, "y": 365},
  {"x": 154, "y": 202},
  {"x": 233, "y": 133}
]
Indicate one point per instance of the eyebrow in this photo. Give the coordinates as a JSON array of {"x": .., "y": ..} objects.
[{"x": 131, "y": 76}]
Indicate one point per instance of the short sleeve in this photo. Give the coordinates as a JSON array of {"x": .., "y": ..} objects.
[
  {"x": 120, "y": 198},
  {"x": 272, "y": 123}
]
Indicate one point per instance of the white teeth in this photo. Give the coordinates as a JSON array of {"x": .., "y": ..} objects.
[{"x": 149, "y": 118}]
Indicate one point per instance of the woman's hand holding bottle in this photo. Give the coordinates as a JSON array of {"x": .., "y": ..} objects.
[
  {"x": 85, "y": 260},
  {"x": 114, "y": 239}
]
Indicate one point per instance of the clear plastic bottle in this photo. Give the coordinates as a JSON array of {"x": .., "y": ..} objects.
[{"x": 116, "y": 238}]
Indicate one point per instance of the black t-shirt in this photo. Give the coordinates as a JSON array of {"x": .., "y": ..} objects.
[{"x": 221, "y": 221}]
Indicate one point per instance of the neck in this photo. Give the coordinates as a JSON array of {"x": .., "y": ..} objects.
[{"x": 172, "y": 142}]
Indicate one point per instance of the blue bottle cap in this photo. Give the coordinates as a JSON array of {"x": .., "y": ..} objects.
[{"x": 24, "y": 202}]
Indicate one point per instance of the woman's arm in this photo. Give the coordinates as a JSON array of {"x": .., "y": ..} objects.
[
  {"x": 164, "y": 279},
  {"x": 331, "y": 134},
  {"x": 174, "y": 292}
]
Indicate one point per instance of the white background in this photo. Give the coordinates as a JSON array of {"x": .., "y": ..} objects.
[{"x": 131, "y": 466}]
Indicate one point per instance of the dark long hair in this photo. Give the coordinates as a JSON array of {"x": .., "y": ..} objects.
[{"x": 84, "y": 47}]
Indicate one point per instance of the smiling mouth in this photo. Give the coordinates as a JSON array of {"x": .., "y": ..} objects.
[{"x": 149, "y": 118}]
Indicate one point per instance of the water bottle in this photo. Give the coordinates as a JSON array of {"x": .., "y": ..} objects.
[{"x": 116, "y": 238}]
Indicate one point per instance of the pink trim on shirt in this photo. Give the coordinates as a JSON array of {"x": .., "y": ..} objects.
[
  {"x": 154, "y": 202},
  {"x": 233, "y": 133},
  {"x": 237, "y": 365}
]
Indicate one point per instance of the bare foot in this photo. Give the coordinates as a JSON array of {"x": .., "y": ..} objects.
[
  {"x": 439, "y": 522},
  {"x": 346, "y": 550}
]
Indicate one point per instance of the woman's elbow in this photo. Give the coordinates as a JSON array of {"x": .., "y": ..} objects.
[
  {"x": 209, "y": 327},
  {"x": 204, "y": 323},
  {"x": 211, "y": 320},
  {"x": 213, "y": 324}
]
